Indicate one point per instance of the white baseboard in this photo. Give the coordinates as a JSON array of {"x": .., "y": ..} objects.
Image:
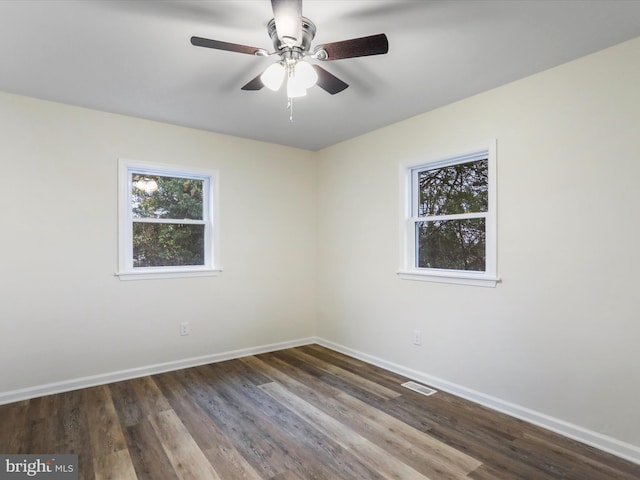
[
  {"x": 602, "y": 442},
  {"x": 92, "y": 381}
]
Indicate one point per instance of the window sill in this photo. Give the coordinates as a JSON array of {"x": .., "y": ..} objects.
[
  {"x": 477, "y": 280},
  {"x": 153, "y": 274}
]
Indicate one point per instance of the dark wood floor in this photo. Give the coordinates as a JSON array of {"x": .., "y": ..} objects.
[{"x": 298, "y": 414}]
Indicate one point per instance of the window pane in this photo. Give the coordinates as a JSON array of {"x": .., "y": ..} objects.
[
  {"x": 167, "y": 245},
  {"x": 461, "y": 188},
  {"x": 155, "y": 196},
  {"x": 451, "y": 244}
]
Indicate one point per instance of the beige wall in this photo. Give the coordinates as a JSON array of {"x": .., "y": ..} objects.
[
  {"x": 560, "y": 334},
  {"x": 65, "y": 315},
  {"x": 557, "y": 337}
]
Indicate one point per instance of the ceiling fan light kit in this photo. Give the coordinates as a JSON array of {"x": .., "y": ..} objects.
[
  {"x": 291, "y": 35},
  {"x": 299, "y": 74},
  {"x": 273, "y": 76}
]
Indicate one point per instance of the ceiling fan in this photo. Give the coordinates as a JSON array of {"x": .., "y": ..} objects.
[{"x": 292, "y": 34}]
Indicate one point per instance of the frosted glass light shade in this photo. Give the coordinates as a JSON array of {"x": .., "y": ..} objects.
[
  {"x": 295, "y": 88},
  {"x": 306, "y": 74},
  {"x": 273, "y": 76}
]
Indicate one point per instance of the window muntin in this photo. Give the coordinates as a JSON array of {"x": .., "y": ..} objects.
[
  {"x": 166, "y": 221},
  {"x": 449, "y": 224}
]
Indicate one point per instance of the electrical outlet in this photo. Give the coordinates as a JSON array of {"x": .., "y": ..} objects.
[
  {"x": 417, "y": 337},
  {"x": 184, "y": 328}
]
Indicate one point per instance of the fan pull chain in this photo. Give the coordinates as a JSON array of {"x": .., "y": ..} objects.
[{"x": 290, "y": 107}]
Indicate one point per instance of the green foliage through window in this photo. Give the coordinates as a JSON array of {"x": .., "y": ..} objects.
[
  {"x": 459, "y": 190},
  {"x": 171, "y": 197},
  {"x": 167, "y": 245},
  {"x": 452, "y": 244},
  {"x": 168, "y": 225}
]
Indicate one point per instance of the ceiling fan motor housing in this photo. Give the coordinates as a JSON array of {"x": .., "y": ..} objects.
[{"x": 308, "y": 33}]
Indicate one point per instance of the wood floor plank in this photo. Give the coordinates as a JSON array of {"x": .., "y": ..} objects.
[
  {"x": 288, "y": 476},
  {"x": 436, "y": 412},
  {"x": 296, "y": 414},
  {"x": 149, "y": 395},
  {"x": 386, "y": 378},
  {"x": 256, "y": 447},
  {"x": 220, "y": 452},
  {"x": 414, "y": 447},
  {"x": 199, "y": 424},
  {"x": 335, "y": 357},
  {"x": 386, "y": 465},
  {"x": 73, "y": 432},
  {"x": 336, "y": 382},
  {"x": 125, "y": 400},
  {"x": 137, "y": 398},
  {"x": 104, "y": 426},
  {"x": 583, "y": 465},
  {"x": 353, "y": 378},
  {"x": 111, "y": 458},
  {"x": 148, "y": 457},
  {"x": 229, "y": 463},
  {"x": 187, "y": 459},
  {"x": 423, "y": 453},
  {"x": 491, "y": 437},
  {"x": 13, "y": 420},
  {"x": 39, "y": 435},
  {"x": 315, "y": 455},
  {"x": 43, "y": 407},
  {"x": 500, "y": 457},
  {"x": 115, "y": 466},
  {"x": 470, "y": 436},
  {"x": 41, "y": 425},
  {"x": 371, "y": 420},
  {"x": 487, "y": 472}
]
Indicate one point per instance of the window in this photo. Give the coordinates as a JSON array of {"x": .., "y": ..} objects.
[
  {"x": 449, "y": 219},
  {"x": 166, "y": 220}
]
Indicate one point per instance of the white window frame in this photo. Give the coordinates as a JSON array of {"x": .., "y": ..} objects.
[
  {"x": 212, "y": 266},
  {"x": 409, "y": 198}
]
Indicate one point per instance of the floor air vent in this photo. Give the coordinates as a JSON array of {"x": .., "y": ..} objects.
[{"x": 416, "y": 387}]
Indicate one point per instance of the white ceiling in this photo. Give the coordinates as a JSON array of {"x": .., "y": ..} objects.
[{"x": 135, "y": 58}]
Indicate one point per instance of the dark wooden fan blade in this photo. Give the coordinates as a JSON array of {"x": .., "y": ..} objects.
[
  {"x": 288, "y": 17},
  {"x": 357, "y": 47},
  {"x": 329, "y": 82},
  {"x": 255, "y": 84},
  {"x": 218, "y": 45}
]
